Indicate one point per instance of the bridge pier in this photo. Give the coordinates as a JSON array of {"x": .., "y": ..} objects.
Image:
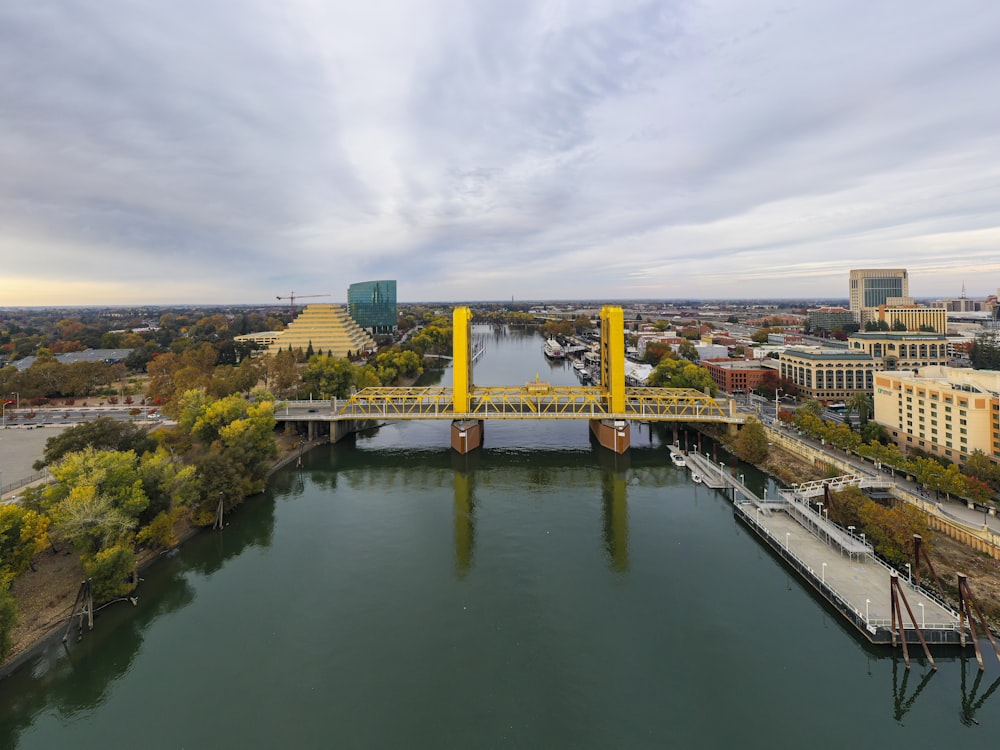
[
  {"x": 466, "y": 435},
  {"x": 341, "y": 429},
  {"x": 614, "y": 435}
]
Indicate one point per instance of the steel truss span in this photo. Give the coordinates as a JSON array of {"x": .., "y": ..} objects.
[{"x": 533, "y": 402}]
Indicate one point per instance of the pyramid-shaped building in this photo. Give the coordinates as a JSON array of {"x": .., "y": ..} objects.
[{"x": 328, "y": 328}]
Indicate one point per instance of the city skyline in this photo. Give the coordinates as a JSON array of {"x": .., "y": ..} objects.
[{"x": 184, "y": 154}]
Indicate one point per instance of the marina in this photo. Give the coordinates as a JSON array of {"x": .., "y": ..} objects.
[{"x": 881, "y": 604}]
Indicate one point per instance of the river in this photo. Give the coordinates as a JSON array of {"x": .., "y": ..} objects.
[{"x": 538, "y": 593}]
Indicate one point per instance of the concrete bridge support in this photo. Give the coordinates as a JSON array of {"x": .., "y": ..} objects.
[
  {"x": 614, "y": 435},
  {"x": 466, "y": 435},
  {"x": 341, "y": 429}
]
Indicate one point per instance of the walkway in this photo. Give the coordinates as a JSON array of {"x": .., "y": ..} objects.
[{"x": 840, "y": 566}]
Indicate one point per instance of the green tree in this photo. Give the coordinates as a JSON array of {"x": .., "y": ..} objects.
[
  {"x": 8, "y": 619},
  {"x": 679, "y": 373},
  {"x": 103, "y": 434},
  {"x": 23, "y": 534},
  {"x": 111, "y": 572},
  {"x": 861, "y": 404},
  {"x": 751, "y": 443},
  {"x": 96, "y": 497},
  {"x": 329, "y": 377},
  {"x": 979, "y": 466},
  {"x": 688, "y": 351}
]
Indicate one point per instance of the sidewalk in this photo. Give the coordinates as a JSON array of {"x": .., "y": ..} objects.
[{"x": 954, "y": 510}]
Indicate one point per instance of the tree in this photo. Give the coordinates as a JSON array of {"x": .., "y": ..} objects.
[
  {"x": 898, "y": 325},
  {"x": 861, "y": 404},
  {"x": 103, "y": 434},
  {"x": 329, "y": 377},
  {"x": 688, "y": 351},
  {"x": 979, "y": 466},
  {"x": 679, "y": 373},
  {"x": 111, "y": 572},
  {"x": 23, "y": 534},
  {"x": 96, "y": 497},
  {"x": 985, "y": 351},
  {"x": 751, "y": 443},
  {"x": 8, "y": 619}
]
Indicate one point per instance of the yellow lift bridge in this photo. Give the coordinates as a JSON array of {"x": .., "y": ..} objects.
[{"x": 609, "y": 407}]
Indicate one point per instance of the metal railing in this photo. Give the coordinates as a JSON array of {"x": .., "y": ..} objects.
[{"x": 18, "y": 483}]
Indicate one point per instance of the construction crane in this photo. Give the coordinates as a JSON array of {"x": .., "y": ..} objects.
[{"x": 292, "y": 296}]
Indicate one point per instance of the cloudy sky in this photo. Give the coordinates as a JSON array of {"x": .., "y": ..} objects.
[{"x": 172, "y": 151}]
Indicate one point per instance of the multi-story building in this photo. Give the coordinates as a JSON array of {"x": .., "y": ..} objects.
[
  {"x": 828, "y": 374},
  {"x": 871, "y": 287},
  {"x": 372, "y": 304},
  {"x": 913, "y": 317},
  {"x": 898, "y": 350},
  {"x": 945, "y": 411},
  {"x": 830, "y": 319},
  {"x": 739, "y": 375}
]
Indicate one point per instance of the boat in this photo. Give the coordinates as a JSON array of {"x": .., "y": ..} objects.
[
  {"x": 578, "y": 365},
  {"x": 678, "y": 459},
  {"x": 696, "y": 478},
  {"x": 553, "y": 349}
]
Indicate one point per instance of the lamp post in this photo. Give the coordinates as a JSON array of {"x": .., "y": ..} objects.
[
  {"x": 867, "y": 602},
  {"x": 863, "y": 538},
  {"x": 909, "y": 578},
  {"x": 788, "y": 535},
  {"x": 850, "y": 530},
  {"x": 824, "y": 573},
  {"x": 820, "y": 508},
  {"x": 722, "y": 469},
  {"x": 777, "y": 392},
  {"x": 923, "y": 621}
]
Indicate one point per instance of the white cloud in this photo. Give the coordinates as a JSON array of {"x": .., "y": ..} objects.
[{"x": 540, "y": 149}]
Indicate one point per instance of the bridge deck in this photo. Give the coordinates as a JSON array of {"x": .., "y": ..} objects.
[{"x": 533, "y": 401}]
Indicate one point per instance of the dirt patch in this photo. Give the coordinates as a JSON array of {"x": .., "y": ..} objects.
[
  {"x": 950, "y": 557},
  {"x": 45, "y": 596}
]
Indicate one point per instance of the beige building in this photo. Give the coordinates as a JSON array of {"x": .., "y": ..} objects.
[
  {"x": 263, "y": 338},
  {"x": 898, "y": 350},
  {"x": 914, "y": 317},
  {"x": 828, "y": 374},
  {"x": 328, "y": 328},
  {"x": 945, "y": 411},
  {"x": 871, "y": 287}
]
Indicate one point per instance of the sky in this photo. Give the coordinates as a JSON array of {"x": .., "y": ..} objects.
[{"x": 224, "y": 151}]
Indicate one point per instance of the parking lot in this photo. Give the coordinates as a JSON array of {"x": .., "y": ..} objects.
[{"x": 19, "y": 449}]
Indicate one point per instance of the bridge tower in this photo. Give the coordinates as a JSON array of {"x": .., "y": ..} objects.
[
  {"x": 612, "y": 433},
  {"x": 466, "y": 434}
]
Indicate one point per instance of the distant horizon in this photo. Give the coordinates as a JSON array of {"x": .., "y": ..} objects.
[{"x": 839, "y": 301}]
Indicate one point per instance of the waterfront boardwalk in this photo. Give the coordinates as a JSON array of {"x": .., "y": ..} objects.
[{"x": 839, "y": 565}]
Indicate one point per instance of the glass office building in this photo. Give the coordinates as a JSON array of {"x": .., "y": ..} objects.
[
  {"x": 372, "y": 305},
  {"x": 871, "y": 287}
]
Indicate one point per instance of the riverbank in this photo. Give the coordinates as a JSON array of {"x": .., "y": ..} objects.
[{"x": 45, "y": 595}]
